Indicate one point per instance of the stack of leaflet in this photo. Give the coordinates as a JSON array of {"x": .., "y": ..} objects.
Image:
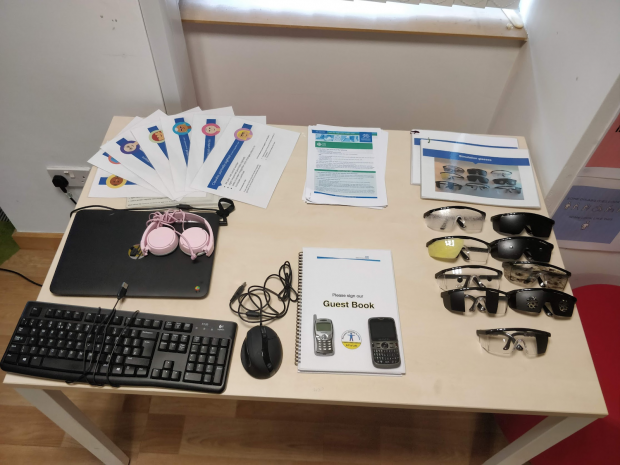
[
  {"x": 346, "y": 166},
  {"x": 469, "y": 168},
  {"x": 196, "y": 155}
]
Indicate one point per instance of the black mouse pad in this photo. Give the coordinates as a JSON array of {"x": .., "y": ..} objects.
[{"x": 102, "y": 252}]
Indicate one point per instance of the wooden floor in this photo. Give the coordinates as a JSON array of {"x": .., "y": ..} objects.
[{"x": 166, "y": 431}]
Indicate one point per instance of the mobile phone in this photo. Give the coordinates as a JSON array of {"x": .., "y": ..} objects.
[
  {"x": 323, "y": 336},
  {"x": 384, "y": 342}
]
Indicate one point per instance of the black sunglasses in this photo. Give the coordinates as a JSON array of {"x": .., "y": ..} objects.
[
  {"x": 528, "y": 273},
  {"x": 482, "y": 187},
  {"x": 511, "y": 249},
  {"x": 504, "y": 341},
  {"x": 477, "y": 178},
  {"x": 509, "y": 190},
  {"x": 534, "y": 300},
  {"x": 514, "y": 223},
  {"x": 476, "y": 171},
  {"x": 505, "y": 181},
  {"x": 448, "y": 185},
  {"x": 469, "y": 299}
]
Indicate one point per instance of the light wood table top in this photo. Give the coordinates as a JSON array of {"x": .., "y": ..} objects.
[{"x": 447, "y": 369}]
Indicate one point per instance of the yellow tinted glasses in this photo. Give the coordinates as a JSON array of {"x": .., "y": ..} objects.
[{"x": 451, "y": 247}]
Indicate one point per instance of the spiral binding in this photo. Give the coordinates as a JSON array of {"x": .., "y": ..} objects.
[{"x": 299, "y": 300}]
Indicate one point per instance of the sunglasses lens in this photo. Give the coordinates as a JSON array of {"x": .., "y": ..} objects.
[
  {"x": 472, "y": 300},
  {"x": 540, "y": 226},
  {"x": 446, "y": 248},
  {"x": 496, "y": 344},
  {"x": 444, "y": 220},
  {"x": 507, "y": 250},
  {"x": 464, "y": 277},
  {"x": 509, "y": 224},
  {"x": 528, "y": 345},
  {"x": 527, "y": 274}
]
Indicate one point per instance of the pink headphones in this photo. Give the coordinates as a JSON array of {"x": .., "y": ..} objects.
[{"x": 160, "y": 237}]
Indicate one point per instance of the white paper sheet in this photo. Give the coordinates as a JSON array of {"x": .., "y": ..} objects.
[
  {"x": 247, "y": 162},
  {"x": 177, "y": 132},
  {"x": 418, "y": 134},
  {"x": 108, "y": 185},
  {"x": 206, "y": 134},
  {"x": 473, "y": 174},
  {"x": 339, "y": 174},
  {"x": 129, "y": 153}
]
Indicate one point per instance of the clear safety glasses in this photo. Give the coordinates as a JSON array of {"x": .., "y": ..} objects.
[
  {"x": 446, "y": 218},
  {"x": 532, "y": 273},
  {"x": 451, "y": 176},
  {"x": 469, "y": 276},
  {"x": 501, "y": 173},
  {"x": 451, "y": 247},
  {"x": 470, "y": 299},
  {"x": 504, "y": 341},
  {"x": 453, "y": 169},
  {"x": 451, "y": 186}
]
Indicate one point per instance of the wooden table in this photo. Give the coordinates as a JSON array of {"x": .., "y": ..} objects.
[{"x": 446, "y": 367}]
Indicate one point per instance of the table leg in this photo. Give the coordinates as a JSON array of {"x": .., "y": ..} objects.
[
  {"x": 541, "y": 437},
  {"x": 58, "y": 408}
]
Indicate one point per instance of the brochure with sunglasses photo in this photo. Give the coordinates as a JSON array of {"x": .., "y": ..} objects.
[
  {"x": 340, "y": 290},
  {"x": 473, "y": 174}
]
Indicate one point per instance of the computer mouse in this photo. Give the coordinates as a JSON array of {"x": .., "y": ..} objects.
[{"x": 261, "y": 353}]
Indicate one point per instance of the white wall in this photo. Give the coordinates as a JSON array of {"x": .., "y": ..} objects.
[
  {"x": 393, "y": 81},
  {"x": 66, "y": 67},
  {"x": 561, "y": 79}
]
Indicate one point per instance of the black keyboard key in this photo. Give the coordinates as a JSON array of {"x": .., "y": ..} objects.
[
  {"x": 192, "y": 377},
  {"x": 194, "y": 349},
  {"x": 117, "y": 320},
  {"x": 176, "y": 376},
  {"x": 187, "y": 328},
  {"x": 137, "y": 361},
  {"x": 35, "y": 311},
  {"x": 215, "y": 341},
  {"x": 168, "y": 325},
  {"x": 148, "y": 335},
  {"x": 210, "y": 369},
  {"x": 202, "y": 359},
  {"x": 148, "y": 324},
  {"x": 163, "y": 346},
  {"x": 190, "y": 367},
  {"x": 43, "y": 351},
  {"x": 62, "y": 353},
  {"x": 49, "y": 313},
  {"x": 174, "y": 338},
  {"x": 217, "y": 377},
  {"x": 117, "y": 370},
  {"x": 204, "y": 349},
  {"x": 59, "y": 313},
  {"x": 182, "y": 348},
  {"x": 71, "y": 355},
  {"x": 90, "y": 317},
  {"x": 72, "y": 366},
  {"x": 136, "y": 352},
  {"x": 221, "y": 356},
  {"x": 213, "y": 350},
  {"x": 224, "y": 342},
  {"x": 172, "y": 347},
  {"x": 168, "y": 365},
  {"x": 11, "y": 358},
  {"x": 19, "y": 339},
  {"x": 129, "y": 371},
  {"x": 196, "y": 340},
  {"x": 77, "y": 316},
  {"x": 156, "y": 373},
  {"x": 22, "y": 330},
  {"x": 13, "y": 349},
  {"x": 157, "y": 324},
  {"x": 24, "y": 350},
  {"x": 138, "y": 322},
  {"x": 207, "y": 379},
  {"x": 200, "y": 368},
  {"x": 165, "y": 337},
  {"x": 165, "y": 374},
  {"x": 178, "y": 326},
  {"x": 147, "y": 348},
  {"x": 142, "y": 372}
]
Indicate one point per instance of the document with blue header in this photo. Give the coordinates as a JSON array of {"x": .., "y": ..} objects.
[
  {"x": 475, "y": 174},
  {"x": 247, "y": 162}
]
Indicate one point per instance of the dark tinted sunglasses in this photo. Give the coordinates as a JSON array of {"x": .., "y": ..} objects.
[
  {"x": 509, "y": 190},
  {"x": 511, "y": 249},
  {"x": 448, "y": 185},
  {"x": 534, "y": 300},
  {"x": 476, "y": 171},
  {"x": 477, "y": 178},
  {"x": 514, "y": 223},
  {"x": 470, "y": 299},
  {"x": 505, "y": 182}
]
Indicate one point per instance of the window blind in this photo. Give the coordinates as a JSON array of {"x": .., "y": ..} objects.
[{"x": 505, "y": 4}]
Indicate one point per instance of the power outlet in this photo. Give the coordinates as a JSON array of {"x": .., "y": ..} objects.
[{"x": 76, "y": 176}]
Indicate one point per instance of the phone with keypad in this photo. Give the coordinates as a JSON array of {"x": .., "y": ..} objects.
[
  {"x": 384, "y": 342},
  {"x": 323, "y": 336}
]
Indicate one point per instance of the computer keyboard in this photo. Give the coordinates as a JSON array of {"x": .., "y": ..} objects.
[{"x": 58, "y": 342}]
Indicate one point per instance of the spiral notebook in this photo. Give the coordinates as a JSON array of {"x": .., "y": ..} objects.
[{"x": 348, "y": 286}]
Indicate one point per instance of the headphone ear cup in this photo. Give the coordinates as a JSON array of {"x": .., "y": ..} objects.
[
  {"x": 197, "y": 239},
  {"x": 162, "y": 241}
]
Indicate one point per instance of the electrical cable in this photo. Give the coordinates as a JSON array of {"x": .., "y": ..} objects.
[
  {"x": 255, "y": 303},
  {"x": 21, "y": 275},
  {"x": 62, "y": 183}
]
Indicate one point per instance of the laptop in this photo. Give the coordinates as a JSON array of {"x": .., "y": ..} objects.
[{"x": 102, "y": 251}]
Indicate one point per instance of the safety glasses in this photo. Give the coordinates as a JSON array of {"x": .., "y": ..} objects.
[
  {"x": 505, "y": 182},
  {"x": 476, "y": 171},
  {"x": 504, "y": 341},
  {"x": 469, "y": 276},
  {"x": 501, "y": 173},
  {"x": 515, "y": 223},
  {"x": 475, "y": 187},
  {"x": 450, "y": 247},
  {"x": 452, "y": 186},
  {"x": 552, "y": 302},
  {"x": 529, "y": 273},
  {"x": 511, "y": 249},
  {"x": 450, "y": 176},
  {"x": 445, "y": 218},
  {"x": 453, "y": 169},
  {"x": 470, "y": 299},
  {"x": 477, "y": 178},
  {"x": 508, "y": 190}
]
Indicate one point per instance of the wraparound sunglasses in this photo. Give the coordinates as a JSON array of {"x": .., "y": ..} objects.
[
  {"x": 512, "y": 248},
  {"x": 515, "y": 223}
]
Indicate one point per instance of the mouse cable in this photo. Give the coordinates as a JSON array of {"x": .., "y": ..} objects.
[
  {"x": 222, "y": 211},
  {"x": 21, "y": 275},
  {"x": 255, "y": 304}
]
